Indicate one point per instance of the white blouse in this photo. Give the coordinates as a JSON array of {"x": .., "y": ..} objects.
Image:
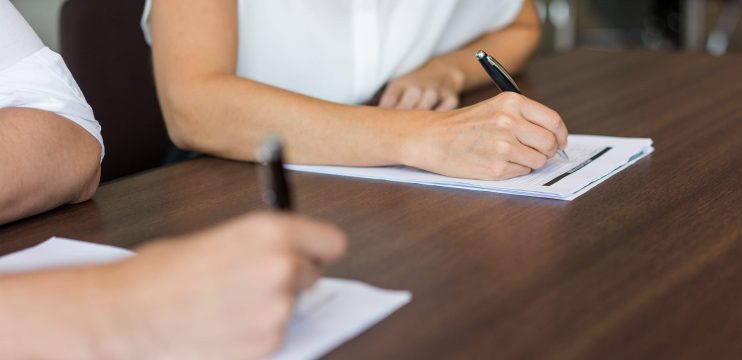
[
  {"x": 33, "y": 76},
  {"x": 346, "y": 50}
]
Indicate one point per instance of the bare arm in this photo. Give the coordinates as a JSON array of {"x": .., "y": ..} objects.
[
  {"x": 208, "y": 108},
  {"x": 45, "y": 161},
  {"x": 239, "y": 293}
]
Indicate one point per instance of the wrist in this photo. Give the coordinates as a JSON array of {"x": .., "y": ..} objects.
[
  {"x": 122, "y": 308},
  {"x": 110, "y": 312},
  {"x": 412, "y": 151}
]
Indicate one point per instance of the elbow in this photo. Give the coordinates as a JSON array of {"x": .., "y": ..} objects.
[
  {"x": 178, "y": 132},
  {"x": 89, "y": 186},
  {"x": 192, "y": 114},
  {"x": 87, "y": 173},
  {"x": 536, "y": 33},
  {"x": 181, "y": 121}
]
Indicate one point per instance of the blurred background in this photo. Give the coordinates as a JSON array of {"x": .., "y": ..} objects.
[
  {"x": 696, "y": 25},
  {"x": 102, "y": 44},
  {"x": 692, "y": 25}
]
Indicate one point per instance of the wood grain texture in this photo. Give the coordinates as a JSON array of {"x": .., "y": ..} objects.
[{"x": 646, "y": 265}]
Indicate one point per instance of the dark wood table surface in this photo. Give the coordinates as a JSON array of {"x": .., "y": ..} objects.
[{"x": 646, "y": 265}]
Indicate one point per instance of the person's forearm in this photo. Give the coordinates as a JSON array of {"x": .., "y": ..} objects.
[
  {"x": 45, "y": 161},
  {"x": 229, "y": 116},
  {"x": 511, "y": 46},
  {"x": 55, "y": 315}
]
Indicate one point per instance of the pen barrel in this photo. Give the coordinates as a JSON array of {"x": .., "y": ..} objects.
[
  {"x": 275, "y": 187},
  {"x": 498, "y": 77},
  {"x": 279, "y": 191}
]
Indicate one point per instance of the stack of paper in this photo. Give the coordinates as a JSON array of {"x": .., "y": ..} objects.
[
  {"x": 331, "y": 313},
  {"x": 592, "y": 160}
]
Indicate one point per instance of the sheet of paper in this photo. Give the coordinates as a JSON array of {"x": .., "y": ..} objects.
[
  {"x": 59, "y": 252},
  {"x": 593, "y": 159},
  {"x": 331, "y": 313}
]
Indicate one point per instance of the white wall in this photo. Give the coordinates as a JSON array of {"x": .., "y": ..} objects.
[{"x": 43, "y": 15}]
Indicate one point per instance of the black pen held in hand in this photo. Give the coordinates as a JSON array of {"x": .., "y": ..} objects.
[
  {"x": 275, "y": 186},
  {"x": 504, "y": 81}
]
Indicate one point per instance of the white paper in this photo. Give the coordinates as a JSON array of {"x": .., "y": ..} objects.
[
  {"x": 331, "y": 313},
  {"x": 592, "y": 160},
  {"x": 59, "y": 252}
]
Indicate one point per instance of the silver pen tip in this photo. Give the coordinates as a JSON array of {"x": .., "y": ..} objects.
[
  {"x": 481, "y": 54},
  {"x": 563, "y": 155}
]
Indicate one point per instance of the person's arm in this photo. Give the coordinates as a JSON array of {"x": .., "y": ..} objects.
[
  {"x": 438, "y": 83},
  {"x": 224, "y": 293},
  {"x": 208, "y": 108},
  {"x": 45, "y": 161}
]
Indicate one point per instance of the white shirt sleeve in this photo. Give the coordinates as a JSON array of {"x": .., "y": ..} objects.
[
  {"x": 474, "y": 17},
  {"x": 33, "y": 76}
]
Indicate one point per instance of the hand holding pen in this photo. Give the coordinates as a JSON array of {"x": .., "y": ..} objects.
[{"x": 504, "y": 81}]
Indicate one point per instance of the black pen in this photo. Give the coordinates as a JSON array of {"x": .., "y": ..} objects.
[
  {"x": 276, "y": 192},
  {"x": 504, "y": 81}
]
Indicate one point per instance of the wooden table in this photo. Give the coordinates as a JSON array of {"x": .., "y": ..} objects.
[{"x": 646, "y": 265}]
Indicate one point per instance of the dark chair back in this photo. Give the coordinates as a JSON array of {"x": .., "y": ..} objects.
[{"x": 103, "y": 45}]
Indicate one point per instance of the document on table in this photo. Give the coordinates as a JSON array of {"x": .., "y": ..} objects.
[
  {"x": 58, "y": 252},
  {"x": 333, "y": 312},
  {"x": 327, "y": 315},
  {"x": 592, "y": 160}
]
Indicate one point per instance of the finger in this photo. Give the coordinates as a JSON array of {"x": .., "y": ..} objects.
[
  {"x": 525, "y": 156},
  {"x": 410, "y": 98},
  {"x": 449, "y": 101},
  {"x": 390, "y": 97},
  {"x": 276, "y": 311},
  {"x": 537, "y": 138},
  {"x": 546, "y": 118},
  {"x": 321, "y": 241},
  {"x": 308, "y": 272},
  {"x": 428, "y": 99},
  {"x": 506, "y": 170}
]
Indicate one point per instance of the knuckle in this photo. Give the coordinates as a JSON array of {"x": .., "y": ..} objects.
[
  {"x": 267, "y": 228},
  {"x": 454, "y": 101},
  {"x": 554, "y": 120},
  {"x": 541, "y": 161},
  {"x": 413, "y": 91},
  {"x": 510, "y": 98},
  {"x": 281, "y": 269},
  {"x": 274, "y": 237},
  {"x": 504, "y": 121},
  {"x": 503, "y": 148},
  {"x": 550, "y": 145},
  {"x": 498, "y": 170}
]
